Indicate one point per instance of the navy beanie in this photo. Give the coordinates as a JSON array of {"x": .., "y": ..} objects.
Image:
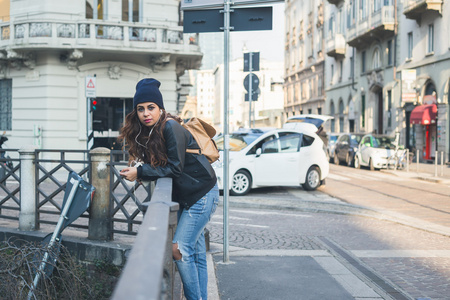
[{"x": 147, "y": 90}]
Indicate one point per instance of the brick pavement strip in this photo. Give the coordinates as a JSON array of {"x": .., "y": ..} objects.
[{"x": 414, "y": 261}]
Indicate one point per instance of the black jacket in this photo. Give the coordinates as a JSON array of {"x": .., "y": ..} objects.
[{"x": 192, "y": 174}]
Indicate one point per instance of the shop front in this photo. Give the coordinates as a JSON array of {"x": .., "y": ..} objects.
[{"x": 424, "y": 119}]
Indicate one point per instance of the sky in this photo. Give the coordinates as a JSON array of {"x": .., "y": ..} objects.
[{"x": 270, "y": 43}]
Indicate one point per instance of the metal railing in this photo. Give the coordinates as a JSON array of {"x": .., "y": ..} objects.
[
  {"x": 149, "y": 272},
  {"x": 9, "y": 186},
  {"x": 52, "y": 168},
  {"x": 44, "y": 182},
  {"x": 128, "y": 198}
]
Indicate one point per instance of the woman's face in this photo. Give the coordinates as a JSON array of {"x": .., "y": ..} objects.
[{"x": 148, "y": 113}]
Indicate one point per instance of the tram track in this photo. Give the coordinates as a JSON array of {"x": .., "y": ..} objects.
[{"x": 363, "y": 182}]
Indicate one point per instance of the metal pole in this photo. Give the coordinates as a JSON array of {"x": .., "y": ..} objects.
[
  {"x": 250, "y": 90},
  {"x": 226, "y": 147},
  {"x": 435, "y": 163},
  {"x": 417, "y": 160},
  {"x": 407, "y": 160}
]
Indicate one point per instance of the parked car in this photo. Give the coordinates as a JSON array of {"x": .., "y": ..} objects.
[
  {"x": 332, "y": 139},
  {"x": 277, "y": 157},
  {"x": 345, "y": 148},
  {"x": 306, "y": 122},
  {"x": 375, "y": 151}
]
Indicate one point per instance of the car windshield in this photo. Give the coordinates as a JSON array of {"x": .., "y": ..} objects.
[
  {"x": 355, "y": 138},
  {"x": 383, "y": 142},
  {"x": 238, "y": 141},
  {"x": 332, "y": 139}
]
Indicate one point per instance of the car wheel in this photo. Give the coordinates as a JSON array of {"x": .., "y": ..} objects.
[
  {"x": 336, "y": 159},
  {"x": 312, "y": 181},
  {"x": 371, "y": 167},
  {"x": 356, "y": 163},
  {"x": 242, "y": 182}
]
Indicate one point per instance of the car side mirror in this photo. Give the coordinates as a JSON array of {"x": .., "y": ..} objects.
[{"x": 258, "y": 152}]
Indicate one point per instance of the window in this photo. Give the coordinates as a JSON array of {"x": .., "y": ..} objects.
[
  {"x": 270, "y": 147},
  {"x": 130, "y": 10},
  {"x": 376, "y": 5},
  {"x": 363, "y": 111},
  {"x": 410, "y": 45},
  {"x": 332, "y": 74},
  {"x": 341, "y": 116},
  {"x": 430, "y": 38},
  {"x": 389, "y": 114},
  {"x": 363, "y": 61},
  {"x": 341, "y": 70},
  {"x": 363, "y": 8},
  {"x": 95, "y": 9},
  {"x": 307, "y": 141},
  {"x": 290, "y": 143},
  {"x": 376, "y": 59},
  {"x": 309, "y": 111},
  {"x": 5, "y": 104},
  {"x": 319, "y": 110},
  {"x": 389, "y": 52}
]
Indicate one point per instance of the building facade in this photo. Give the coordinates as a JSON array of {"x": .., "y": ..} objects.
[
  {"x": 52, "y": 53},
  {"x": 385, "y": 71},
  {"x": 304, "y": 57}
]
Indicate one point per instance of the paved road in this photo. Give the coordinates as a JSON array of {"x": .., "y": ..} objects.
[{"x": 413, "y": 260}]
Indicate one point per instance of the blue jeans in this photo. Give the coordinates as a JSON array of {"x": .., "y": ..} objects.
[{"x": 191, "y": 243}]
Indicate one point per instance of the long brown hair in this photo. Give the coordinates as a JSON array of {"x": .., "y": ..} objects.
[{"x": 149, "y": 149}]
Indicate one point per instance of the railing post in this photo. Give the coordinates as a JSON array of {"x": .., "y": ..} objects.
[
  {"x": 100, "y": 221},
  {"x": 169, "y": 264},
  {"x": 28, "y": 207}
]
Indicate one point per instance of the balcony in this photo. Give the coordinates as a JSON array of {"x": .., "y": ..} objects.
[
  {"x": 379, "y": 24},
  {"x": 99, "y": 36},
  {"x": 415, "y": 8},
  {"x": 336, "y": 46}
]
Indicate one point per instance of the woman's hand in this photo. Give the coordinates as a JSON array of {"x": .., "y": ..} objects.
[{"x": 129, "y": 173}]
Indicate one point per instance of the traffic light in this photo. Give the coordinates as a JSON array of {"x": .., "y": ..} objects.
[{"x": 93, "y": 104}]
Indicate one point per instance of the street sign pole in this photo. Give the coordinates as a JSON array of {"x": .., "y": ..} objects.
[
  {"x": 250, "y": 89},
  {"x": 226, "y": 29}
]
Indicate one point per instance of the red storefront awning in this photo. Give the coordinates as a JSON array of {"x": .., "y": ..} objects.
[{"x": 424, "y": 114}]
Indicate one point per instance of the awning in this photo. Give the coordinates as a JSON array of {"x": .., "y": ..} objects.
[{"x": 424, "y": 114}]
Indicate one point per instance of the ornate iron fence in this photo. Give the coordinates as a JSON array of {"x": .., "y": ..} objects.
[
  {"x": 52, "y": 170},
  {"x": 128, "y": 198},
  {"x": 9, "y": 185}
]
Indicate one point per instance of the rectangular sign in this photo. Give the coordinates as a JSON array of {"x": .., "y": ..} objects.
[
  {"x": 251, "y": 19},
  {"x": 210, "y": 20},
  {"x": 241, "y": 19},
  {"x": 408, "y": 85},
  {"x": 255, "y": 61},
  {"x": 202, "y": 4}
]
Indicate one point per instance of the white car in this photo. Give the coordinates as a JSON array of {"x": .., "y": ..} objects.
[
  {"x": 375, "y": 151},
  {"x": 276, "y": 157}
]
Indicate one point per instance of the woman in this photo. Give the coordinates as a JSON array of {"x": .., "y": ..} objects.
[{"x": 157, "y": 139}]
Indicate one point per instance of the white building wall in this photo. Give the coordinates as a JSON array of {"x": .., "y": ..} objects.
[{"x": 49, "y": 90}]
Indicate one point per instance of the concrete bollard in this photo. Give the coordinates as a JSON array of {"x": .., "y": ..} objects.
[
  {"x": 28, "y": 205},
  {"x": 100, "y": 221}
]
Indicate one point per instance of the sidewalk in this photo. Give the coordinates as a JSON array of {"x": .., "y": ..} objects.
[
  {"x": 424, "y": 171},
  {"x": 291, "y": 274},
  {"x": 305, "y": 274}
]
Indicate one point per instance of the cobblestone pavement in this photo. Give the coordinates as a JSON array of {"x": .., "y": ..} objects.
[{"x": 416, "y": 261}]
